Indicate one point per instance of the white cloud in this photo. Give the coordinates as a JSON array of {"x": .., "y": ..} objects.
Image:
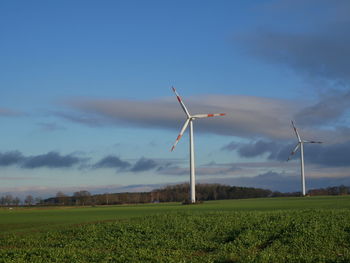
[{"x": 247, "y": 116}]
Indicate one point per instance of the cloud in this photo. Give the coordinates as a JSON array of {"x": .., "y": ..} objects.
[
  {"x": 112, "y": 162},
  {"x": 56, "y": 160},
  {"x": 328, "y": 155},
  {"x": 274, "y": 150},
  {"x": 203, "y": 170},
  {"x": 270, "y": 180},
  {"x": 141, "y": 165},
  {"x": 321, "y": 55},
  {"x": 253, "y": 149},
  {"x": 231, "y": 146},
  {"x": 319, "y": 48},
  {"x": 11, "y": 158},
  {"x": 8, "y": 113},
  {"x": 331, "y": 109},
  {"x": 280, "y": 181},
  {"x": 90, "y": 120},
  {"x": 50, "y": 126},
  {"x": 247, "y": 116},
  {"x": 243, "y": 114},
  {"x": 333, "y": 155},
  {"x": 144, "y": 164},
  {"x": 50, "y": 160}
]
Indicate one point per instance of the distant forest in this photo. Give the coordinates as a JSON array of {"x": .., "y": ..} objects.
[{"x": 172, "y": 193}]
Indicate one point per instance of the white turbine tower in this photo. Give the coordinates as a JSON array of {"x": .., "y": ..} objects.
[
  {"x": 189, "y": 121},
  {"x": 300, "y": 145}
]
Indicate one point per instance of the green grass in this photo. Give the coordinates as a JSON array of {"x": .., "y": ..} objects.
[
  {"x": 311, "y": 229},
  {"x": 34, "y": 219}
]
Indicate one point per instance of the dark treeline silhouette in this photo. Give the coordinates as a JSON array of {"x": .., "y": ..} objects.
[
  {"x": 205, "y": 192},
  {"x": 85, "y": 198},
  {"x": 171, "y": 193},
  {"x": 180, "y": 193},
  {"x": 335, "y": 190}
]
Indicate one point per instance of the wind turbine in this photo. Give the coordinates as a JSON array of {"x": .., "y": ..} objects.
[
  {"x": 189, "y": 121},
  {"x": 300, "y": 145}
]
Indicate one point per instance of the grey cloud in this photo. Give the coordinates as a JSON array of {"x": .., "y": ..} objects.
[
  {"x": 50, "y": 160},
  {"x": 86, "y": 119},
  {"x": 318, "y": 52},
  {"x": 320, "y": 48},
  {"x": 321, "y": 55},
  {"x": 280, "y": 181},
  {"x": 271, "y": 180},
  {"x": 247, "y": 116},
  {"x": 144, "y": 164},
  {"x": 258, "y": 148},
  {"x": 173, "y": 170},
  {"x": 165, "y": 166},
  {"x": 8, "y": 113},
  {"x": 231, "y": 146},
  {"x": 274, "y": 150},
  {"x": 50, "y": 126},
  {"x": 332, "y": 155},
  {"x": 56, "y": 160},
  {"x": 11, "y": 158},
  {"x": 328, "y": 155},
  {"x": 112, "y": 162},
  {"x": 203, "y": 170},
  {"x": 329, "y": 110}
]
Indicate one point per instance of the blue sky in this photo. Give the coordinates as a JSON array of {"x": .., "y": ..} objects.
[{"x": 86, "y": 101}]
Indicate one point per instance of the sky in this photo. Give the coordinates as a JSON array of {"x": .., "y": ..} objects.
[{"x": 86, "y": 100}]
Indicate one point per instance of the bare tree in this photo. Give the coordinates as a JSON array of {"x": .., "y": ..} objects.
[
  {"x": 8, "y": 199},
  {"x": 38, "y": 200},
  {"x": 61, "y": 197},
  {"x": 16, "y": 201},
  {"x": 29, "y": 200},
  {"x": 82, "y": 197}
]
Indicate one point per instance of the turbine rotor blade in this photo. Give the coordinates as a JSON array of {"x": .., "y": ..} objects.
[
  {"x": 181, "y": 103},
  {"x": 180, "y": 134},
  {"x": 199, "y": 116},
  {"x": 294, "y": 151},
  {"x": 296, "y": 132},
  {"x": 312, "y": 142}
]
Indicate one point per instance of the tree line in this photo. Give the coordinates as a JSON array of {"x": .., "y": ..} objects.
[
  {"x": 171, "y": 193},
  {"x": 10, "y": 200}
]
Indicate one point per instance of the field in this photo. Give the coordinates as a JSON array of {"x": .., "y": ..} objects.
[{"x": 311, "y": 229}]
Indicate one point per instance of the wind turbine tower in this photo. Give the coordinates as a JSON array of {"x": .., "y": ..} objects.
[
  {"x": 300, "y": 145},
  {"x": 189, "y": 121}
]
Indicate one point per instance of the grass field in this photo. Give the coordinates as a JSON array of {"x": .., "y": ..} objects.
[{"x": 311, "y": 229}]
